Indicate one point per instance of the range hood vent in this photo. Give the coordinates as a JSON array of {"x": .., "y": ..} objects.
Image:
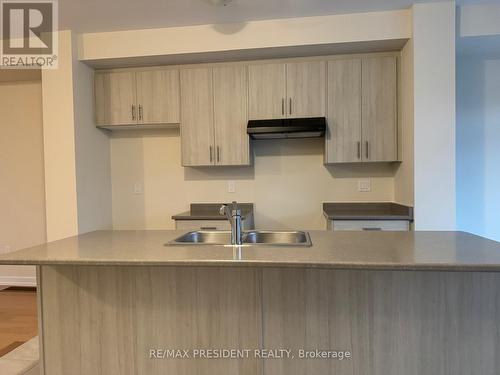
[{"x": 313, "y": 127}]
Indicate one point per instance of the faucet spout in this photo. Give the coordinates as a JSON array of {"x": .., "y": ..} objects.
[{"x": 233, "y": 214}]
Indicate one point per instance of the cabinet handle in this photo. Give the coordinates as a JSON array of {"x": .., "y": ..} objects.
[
  {"x": 211, "y": 157},
  {"x": 372, "y": 229},
  {"x": 133, "y": 112},
  {"x": 208, "y": 228},
  {"x": 218, "y": 154},
  {"x": 140, "y": 112},
  {"x": 367, "y": 151},
  {"x": 359, "y": 150},
  {"x": 290, "y": 107},
  {"x": 282, "y": 106}
]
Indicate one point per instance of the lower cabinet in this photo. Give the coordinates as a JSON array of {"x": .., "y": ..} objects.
[
  {"x": 214, "y": 116},
  {"x": 369, "y": 225}
]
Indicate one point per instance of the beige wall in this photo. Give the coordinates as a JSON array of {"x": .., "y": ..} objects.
[
  {"x": 330, "y": 29},
  {"x": 92, "y": 158},
  {"x": 287, "y": 184},
  {"x": 77, "y": 168},
  {"x": 22, "y": 200},
  {"x": 59, "y": 145}
]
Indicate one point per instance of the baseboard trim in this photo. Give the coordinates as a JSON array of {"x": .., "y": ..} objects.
[{"x": 18, "y": 281}]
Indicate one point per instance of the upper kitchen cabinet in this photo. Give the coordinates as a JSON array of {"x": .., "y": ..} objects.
[
  {"x": 115, "y": 98},
  {"x": 267, "y": 91},
  {"x": 279, "y": 90},
  {"x": 305, "y": 87},
  {"x": 149, "y": 97},
  {"x": 379, "y": 109},
  {"x": 230, "y": 115},
  {"x": 158, "y": 97},
  {"x": 214, "y": 116},
  {"x": 362, "y": 110},
  {"x": 197, "y": 120},
  {"x": 343, "y": 136}
]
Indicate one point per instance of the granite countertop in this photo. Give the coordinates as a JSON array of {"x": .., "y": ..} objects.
[
  {"x": 367, "y": 211},
  {"x": 210, "y": 211},
  {"x": 453, "y": 251}
]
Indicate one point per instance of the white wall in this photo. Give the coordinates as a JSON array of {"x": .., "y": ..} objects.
[
  {"x": 288, "y": 182},
  {"x": 479, "y": 19},
  {"x": 478, "y": 120},
  {"x": 22, "y": 200},
  {"x": 434, "y": 115},
  {"x": 478, "y": 145}
]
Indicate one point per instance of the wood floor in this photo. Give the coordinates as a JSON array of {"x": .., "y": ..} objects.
[{"x": 18, "y": 318}]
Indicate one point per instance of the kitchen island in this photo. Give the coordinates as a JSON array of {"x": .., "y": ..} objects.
[{"x": 120, "y": 302}]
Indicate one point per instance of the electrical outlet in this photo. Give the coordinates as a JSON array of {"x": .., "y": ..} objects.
[
  {"x": 137, "y": 188},
  {"x": 364, "y": 184},
  {"x": 231, "y": 187}
]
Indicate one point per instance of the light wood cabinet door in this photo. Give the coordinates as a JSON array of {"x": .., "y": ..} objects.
[
  {"x": 230, "y": 114},
  {"x": 267, "y": 91},
  {"x": 158, "y": 97},
  {"x": 306, "y": 89},
  {"x": 115, "y": 98},
  {"x": 379, "y": 108},
  {"x": 197, "y": 120},
  {"x": 343, "y": 136}
]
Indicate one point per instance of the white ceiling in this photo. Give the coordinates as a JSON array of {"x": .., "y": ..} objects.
[{"x": 109, "y": 15}]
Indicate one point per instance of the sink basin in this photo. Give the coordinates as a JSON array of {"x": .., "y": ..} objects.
[
  {"x": 255, "y": 237},
  {"x": 277, "y": 238},
  {"x": 204, "y": 237}
]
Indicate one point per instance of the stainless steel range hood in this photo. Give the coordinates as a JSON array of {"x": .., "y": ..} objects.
[{"x": 313, "y": 127}]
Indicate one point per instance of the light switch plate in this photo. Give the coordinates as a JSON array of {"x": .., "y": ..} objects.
[
  {"x": 137, "y": 188},
  {"x": 364, "y": 184},
  {"x": 231, "y": 187}
]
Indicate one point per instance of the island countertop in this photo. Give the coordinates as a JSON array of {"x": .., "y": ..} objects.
[{"x": 454, "y": 251}]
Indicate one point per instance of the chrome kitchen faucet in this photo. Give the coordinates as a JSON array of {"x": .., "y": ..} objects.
[{"x": 233, "y": 214}]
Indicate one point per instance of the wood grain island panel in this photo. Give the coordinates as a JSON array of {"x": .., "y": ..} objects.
[{"x": 106, "y": 319}]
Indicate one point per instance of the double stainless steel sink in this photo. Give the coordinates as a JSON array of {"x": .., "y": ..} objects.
[{"x": 255, "y": 237}]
